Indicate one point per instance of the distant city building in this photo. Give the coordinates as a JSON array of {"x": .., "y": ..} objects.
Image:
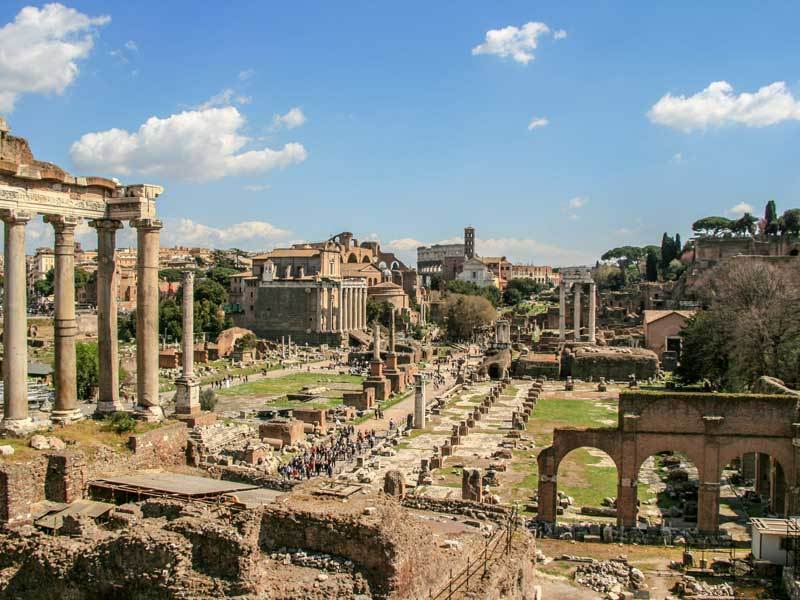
[
  {"x": 540, "y": 274},
  {"x": 318, "y": 292},
  {"x": 476, "y": 271}
]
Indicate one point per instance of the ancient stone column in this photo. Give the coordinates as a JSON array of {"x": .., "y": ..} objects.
[
  {"x": 331, "y": 323},
  {"x": 66, "y": 408},
  {"x": 419, "y": 402},
  {"x": 15, "y": 325},
  {"x": 337, "y": 311},
  {"x": 392, "y": 335},
  {"x": 353, "y": 309},
  {"x": 577, "y": 311},
  {"x": 562, "y": 312},
  {"x": 107, "y": 345},
  {"x": 364, "y": 308},
  {"x": 592, "y": 312},
  {"x": 345, "y": 309},
  {"x": 187, "y": 396},
  {"x": 376, "y": 342},
  {"x": 148, "y": 403}
]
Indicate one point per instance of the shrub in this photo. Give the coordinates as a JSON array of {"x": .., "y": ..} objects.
[
  {"x": 208, "y": 399},
  {"x": 121, "y": 422}
]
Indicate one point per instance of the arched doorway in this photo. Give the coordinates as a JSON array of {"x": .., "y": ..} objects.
[
  {"x": 668, "y": 490},
  {"x": 587, "y": 485},
  {"x": 352, "y": 258}
]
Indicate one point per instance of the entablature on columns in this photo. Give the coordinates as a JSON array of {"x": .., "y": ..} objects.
[{"x": 125, "y": 203}]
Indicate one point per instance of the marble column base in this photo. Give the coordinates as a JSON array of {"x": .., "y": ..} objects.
[
  {"x": 18, "y": 427},
  {"x": 187, "y": 396},
  {"x": 64, "y": 417},
  {"x": 109, "y": 408},
  {"x": 151, "y": 414}
]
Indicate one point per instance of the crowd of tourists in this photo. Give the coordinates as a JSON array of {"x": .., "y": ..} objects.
[{"x": 320, "y": 459}]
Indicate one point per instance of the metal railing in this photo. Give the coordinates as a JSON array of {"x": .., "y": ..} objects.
[{"x": 499, "y": 544}]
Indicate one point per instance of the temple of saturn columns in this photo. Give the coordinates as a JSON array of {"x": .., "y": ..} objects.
[
  {"x": 575, "y": 280},
  {"x": 29, "y": 188}
]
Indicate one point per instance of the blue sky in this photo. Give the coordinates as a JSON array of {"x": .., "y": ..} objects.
[{"x": 278, "y": 122}]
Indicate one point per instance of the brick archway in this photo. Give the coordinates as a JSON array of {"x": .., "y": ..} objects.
[{"x": 710, "y": 429}]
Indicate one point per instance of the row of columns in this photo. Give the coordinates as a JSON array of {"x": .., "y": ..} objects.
[
  {"x": 15, "y": 360},
  {"x": 577, "y": 289},
  {"x": 352, "y": 308}
]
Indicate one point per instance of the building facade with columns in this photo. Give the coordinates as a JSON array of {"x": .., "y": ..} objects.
[
  {"x": 30, "y": 188},
  {"x": 299, "y": 292}
]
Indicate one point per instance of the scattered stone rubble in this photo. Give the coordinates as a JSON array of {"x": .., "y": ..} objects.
[
  {"x": 609, "y": 577},
  {"x": 689, "y": 587}
]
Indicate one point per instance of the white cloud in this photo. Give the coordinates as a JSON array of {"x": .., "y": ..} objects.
[
  {"x": 578, "y": 202},
  {"x": 194, "y": 145},
  {"x": 293, "y": 118},
  {"x": 40, "y": 50},
  {"x": 740, "y": 209},
  {"x": 404, "y": 244},
  {"x": 248, "y": 234},
  {"x": 678, "y": 158},
  {"x": 226, "y": 97},
  {"x": 257, "y": 187},
  {"x": 538, "y": 122},
  {"x": 516, "y": 43},
  {"x": 718, "y": 105},
  {"x": 528, "y": 250},
  {"x": 246, "y": 74},
  {"x": 559, "y": 34},
  {"x": 131, "y": 45}
]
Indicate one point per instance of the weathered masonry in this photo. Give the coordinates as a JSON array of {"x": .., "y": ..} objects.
[
  {"x": 28, "y": 188},
  {"x": 711, "y": 430}
]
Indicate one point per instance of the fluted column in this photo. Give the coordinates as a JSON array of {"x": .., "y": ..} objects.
[
  {"x": 592, "y": 311},
  {"x": 562, "y": 312},
  {"x": 577, "y": 311},
  {"x": 107, "y": 344},
  {"x": 148, "y": 403},
  {"x": 66, "y": 328},
  {"x": 15, "y": 324}
]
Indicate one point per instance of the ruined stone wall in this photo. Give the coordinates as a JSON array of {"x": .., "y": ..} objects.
[
  {"x": 583, "y": 365},
  {"x": 62, "y": 476},
  {"x": 21, "y": 484},
  {"x": 742, "y": 414},
  {"x": 456, "y": 506},
  {"x": 395, "y": 555},
  {"x": 163, "y": 446}
]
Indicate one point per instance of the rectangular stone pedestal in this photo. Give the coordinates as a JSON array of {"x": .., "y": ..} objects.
[
  {"x": 397, "y": 380},
  {"x": 187, "y": 396},
  {"x": 381, "y": 385}
]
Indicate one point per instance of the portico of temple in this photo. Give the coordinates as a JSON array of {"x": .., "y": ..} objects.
[{"x": 29, "y": 188}]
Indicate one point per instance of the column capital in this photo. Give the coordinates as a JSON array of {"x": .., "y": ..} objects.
[
  {"x": 106, "y": 224},
  {"x": 187, "y": 276},
  {"x": 15, "y": 217},
  {"x": 147, "y": 224},
  {"x": 62, "y": 223}
]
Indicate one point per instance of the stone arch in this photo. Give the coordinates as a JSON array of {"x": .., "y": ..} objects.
[
  {"x": 688, "y": 446},
  {"x": 685, "y": 491},
  {"x": 366, "y": 259},
  {"x": 604, "y": 486},
  {"x": 352, "y": 258}
]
